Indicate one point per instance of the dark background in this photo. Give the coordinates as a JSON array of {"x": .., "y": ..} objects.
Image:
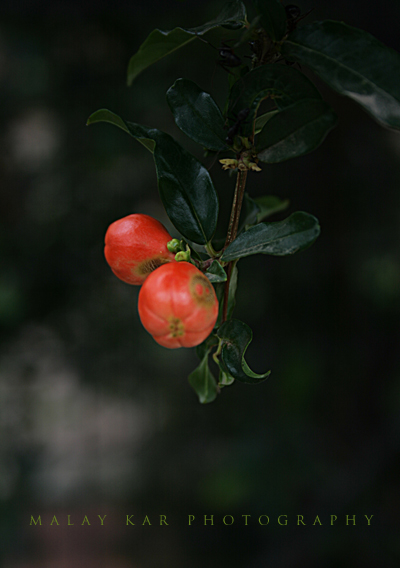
[{"x": 95, "y": 417}]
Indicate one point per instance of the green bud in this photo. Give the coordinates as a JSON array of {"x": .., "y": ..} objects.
[
  {"x": 183, "y": 255},
  {"x": 174, "y": 246}
]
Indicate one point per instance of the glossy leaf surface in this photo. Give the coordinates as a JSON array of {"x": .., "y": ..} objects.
[
  {"x": 284, "y": 84},
  {"x": 197, "y": 114},
  {"x": 353, "y": 63},
  {"x": 236, "y": 337},
  {"x": 295, "y": 130},
  {"x": 185, "y": 186},
  {"x": 161, "y": 43},
  {"x": 281, "y": 238},
  {"x": 273, "y": 17},
  {"x": 203, "y": 382}
]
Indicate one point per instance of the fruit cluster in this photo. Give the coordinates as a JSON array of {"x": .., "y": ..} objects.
[{"x": 177, "y": 303}]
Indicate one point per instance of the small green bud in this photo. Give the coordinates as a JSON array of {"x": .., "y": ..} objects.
[
  {"x": 174, "y": 246},
  {"x": 183, "y": 255}
]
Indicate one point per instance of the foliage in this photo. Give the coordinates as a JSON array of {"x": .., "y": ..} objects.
[{"x": 350, "y": 61}]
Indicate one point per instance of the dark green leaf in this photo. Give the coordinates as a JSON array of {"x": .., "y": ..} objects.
[
  {"x": 161, "y": 43},
  {"x": 273, "y": 17},
  {"x": 262, "y": 120},
  {"x": 294, "y": 234},
  {"x": 104, "y": 115},
  {"x": 215, "y": 272},
  {"x": 295, "y": 130},
  {"x": 185, "y": 186},
  {"x": 224, "y": 379},
  {"x": 353, "y": 63},
  {"x": 284, "y": 84},
  {"x": 236, "y": 337},
  {"x": 203, "y": 382},
  {"x": 197, "y": 114},
  {"x": 268, "y": 205}
]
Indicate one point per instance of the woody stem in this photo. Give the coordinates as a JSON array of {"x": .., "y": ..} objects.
[{"x": 232, "y": 231}]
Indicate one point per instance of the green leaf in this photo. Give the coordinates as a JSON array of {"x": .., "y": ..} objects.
[
  {"x": 197, "y": 114},
  {"x": 353, "y": 63},
  {"x": 236, "y": 337},
  {"x": 269, "y": 204},
  {"x": 281, "y": 238},
  {"x": 262, "y": 120},
  {"x": 185, "y": 186},
  {"x": 161, "y": 43},
  {"x": 224, "y": 379},
  {"x": 216, "y": 273},
  {"x": 273, "y": 18},
  {"x": 104, "y": 115},
  {"x": 203, "y": 382},
  {"x": 284, "y": 84},
  {"x": 295, "y": 131}
]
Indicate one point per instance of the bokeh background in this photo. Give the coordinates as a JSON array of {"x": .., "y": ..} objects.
[{"x": 95, "y": 418}]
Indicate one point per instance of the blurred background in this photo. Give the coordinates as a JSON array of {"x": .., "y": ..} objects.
[{"x": 95, "y": 417}]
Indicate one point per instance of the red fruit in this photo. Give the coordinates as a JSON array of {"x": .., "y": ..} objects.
[
  {"x": 178, "y": 305},
  {"x": 135, "y": 246}
]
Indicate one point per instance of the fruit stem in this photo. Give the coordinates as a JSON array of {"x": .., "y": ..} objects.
[{"x": 232, "y": 231}]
